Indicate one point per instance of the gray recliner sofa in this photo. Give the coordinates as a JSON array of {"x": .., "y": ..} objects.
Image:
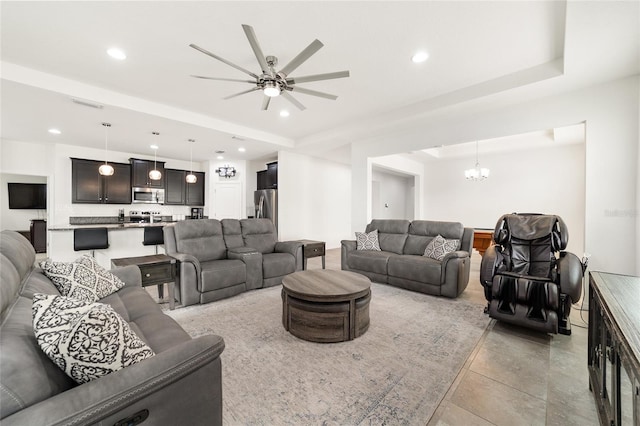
[
  {"x": 400, "y": 261},
  {"x": 221, "y": 258},
  {"x": 180, "y": 384}
]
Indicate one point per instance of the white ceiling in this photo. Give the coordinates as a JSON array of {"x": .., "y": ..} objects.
[{"x": 53, "y": 51}]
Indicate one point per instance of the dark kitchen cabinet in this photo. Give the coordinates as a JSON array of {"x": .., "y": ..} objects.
[
  {"x": 89, "y": 187},
  {"x": 272, "y": 175},
  {"x": 262, "y": 179},
  {"x": 140, "y": 173},
  {"x": 174, "y": 189},
  {"x": 178, "y": 192},
  {"x": 195, "y": 191},
  {"x": 38, "y": 235}
]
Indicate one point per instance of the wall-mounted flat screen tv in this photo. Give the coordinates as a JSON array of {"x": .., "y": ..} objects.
[{"x": 27, "y": 195}]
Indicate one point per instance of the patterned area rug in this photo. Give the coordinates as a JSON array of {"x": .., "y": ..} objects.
[{"x": 396, "y": 373}]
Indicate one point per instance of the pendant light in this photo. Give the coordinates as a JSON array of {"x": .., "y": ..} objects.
[
  {"x": 155, "y": 173},
  {"x": 106, "y": 169},
  {"x": 477, "y": 173},
  {"x": 191, "y": 178}
]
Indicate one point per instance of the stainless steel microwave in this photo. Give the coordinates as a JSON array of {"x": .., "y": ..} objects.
[{"x": 147, "y": 195}]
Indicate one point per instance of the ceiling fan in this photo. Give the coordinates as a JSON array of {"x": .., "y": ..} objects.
[{"x": 274, "y": 83}]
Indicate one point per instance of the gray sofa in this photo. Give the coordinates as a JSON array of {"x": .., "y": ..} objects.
[
  {"x": 401, "y": 262},
  {"x": 180, "y": 384},
  {"x": 221, "y": 258}
]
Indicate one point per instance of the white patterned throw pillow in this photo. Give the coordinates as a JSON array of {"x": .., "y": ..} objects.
[
  {"x": 83, "y": 279},
  {"x": 86, "y": 340},
  {"x": 439, "y": 247},
  {"x": 367, "y": 241}
]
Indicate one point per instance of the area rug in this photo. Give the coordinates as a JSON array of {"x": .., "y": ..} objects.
[{"x": 396, "y": 373}]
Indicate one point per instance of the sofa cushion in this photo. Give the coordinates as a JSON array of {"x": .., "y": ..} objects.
[
  {"x": 278, "y": 264},
  {"x": 217, "y": 274},
  {"x": 83, "y": 279},
  {"x": 439, "y": 247},
  {"x": 201, "y": 238},
  {"x": 259, "y": 234},
  {"x": 421, "y": 232},
  {"x": 367, "y": 240},
  {"x": 86, "y": 340},
  {"x": 232, "y": 231},
  {"x": 415, "y": 268},
  {"x": 392, "y": 233},
  {"x": 372, "y": 261}
]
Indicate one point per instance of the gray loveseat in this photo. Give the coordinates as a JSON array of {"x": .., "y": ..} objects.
[
  {"x": 221, "y": 258},
  {"x": 401, "y": 262},
  {"x": 181, "y": 384}
]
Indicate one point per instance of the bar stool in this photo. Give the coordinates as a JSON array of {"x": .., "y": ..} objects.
[
  {"x": 153, "y": 236},
  {"x": 90, "y": 239}
]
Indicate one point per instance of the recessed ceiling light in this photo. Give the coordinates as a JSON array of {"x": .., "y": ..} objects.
[
  {"x": 420, "y": 57},
  {"x": 241, "y": 149},
  {"x": 153, "y": 146},
  {"x": 284, "y": 113},
  {"x": 55, "y": 131},
  {"x": 116, "y": 53},
  {"x": 220, "y": 157}
]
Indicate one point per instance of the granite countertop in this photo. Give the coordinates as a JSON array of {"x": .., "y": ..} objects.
[{"x": 109, "y": 226}]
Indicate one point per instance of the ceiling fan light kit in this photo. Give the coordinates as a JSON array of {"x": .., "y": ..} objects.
[{"x": 275, "y": 83}]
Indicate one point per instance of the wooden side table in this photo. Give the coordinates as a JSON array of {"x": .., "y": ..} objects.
[
  {"x": 156, "y": 269},
  {"x": 311, "y": 248},
  {"x": 482, "y": 240}
]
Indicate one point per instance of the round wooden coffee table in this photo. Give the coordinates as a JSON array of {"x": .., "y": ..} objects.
[{"x": 325, "y": 305}]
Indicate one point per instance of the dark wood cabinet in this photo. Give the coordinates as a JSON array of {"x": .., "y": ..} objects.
[
  {"x": 179, "y": 192},
  {"x": 89, "y": 187},
  {"x": 195, "y": 191},
  {"x": 38, "y": 235},
  {"x": 268, "y": 179},
  {"x": 140, "y": 173}
]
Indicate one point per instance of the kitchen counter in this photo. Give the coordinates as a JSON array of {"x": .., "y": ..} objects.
[{"x": 110, "y": 226}]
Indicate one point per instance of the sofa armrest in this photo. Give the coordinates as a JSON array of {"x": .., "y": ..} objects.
[
  {"x": 187, "y": 258},
  {"x": 292, "y": 247},
  {"x": 346, "y": 247},
  {"x": 129, "y": 274},
  {"x": 191, "y": 368},
  {"x": 252, "y": 259},
  {"x": 454, "y": 277}
]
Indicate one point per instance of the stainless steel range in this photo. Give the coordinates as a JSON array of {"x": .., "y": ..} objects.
[{"x": 144, "y": 216}]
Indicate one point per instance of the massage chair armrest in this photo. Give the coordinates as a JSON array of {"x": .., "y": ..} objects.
[
  {"x": 570, "y": 275},
  {"x": 130, "y": 275},
  {"x": 487, "y": 270},
  {"x": 113, "y": 397}
]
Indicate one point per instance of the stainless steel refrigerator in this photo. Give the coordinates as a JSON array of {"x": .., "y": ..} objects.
[{"x": 266, "y": 202}]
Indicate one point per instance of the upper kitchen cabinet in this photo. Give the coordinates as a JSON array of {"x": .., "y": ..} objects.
[
  {"x": 268, "y": 179},
  {"x": 178, "y": 192},
  {"x": 140, "y": 173},
  {"x": 195, "y": 191},
  {"x": 89, "y": 187}
]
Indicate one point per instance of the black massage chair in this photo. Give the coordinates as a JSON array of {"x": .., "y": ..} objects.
[{"x": 528, "y": 280}]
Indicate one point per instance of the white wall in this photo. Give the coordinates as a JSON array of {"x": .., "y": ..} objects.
[
  {"x": 17, "y": 220},
  {"x": 610, "y": 112},
  {"x": 547, "y": 180},
  {"x": 393, "y": 198},
  {"x": 314, "y": 199}
]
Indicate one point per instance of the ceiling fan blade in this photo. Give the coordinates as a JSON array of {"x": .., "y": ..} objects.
[
  {"x": 302, "y": 56},
  {"x": 314, "y": 93},
  {"x": 253, "y": 41},
  {"x": 265, "y": 102},
  {"x": 242, "y": 93},
  {"x": 293, "y": 100},
  {"x": 231, "y": 64},
  {"x": 223, "y": 79},
  {"x": 317, "y": 77}
]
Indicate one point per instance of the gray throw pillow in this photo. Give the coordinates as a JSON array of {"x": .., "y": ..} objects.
[
  {"x": 439, "y": 247},
  {"x": 367, "y": 241},
  {"x": 86, "y": 340},
  {"x": 83, "y": 279}
]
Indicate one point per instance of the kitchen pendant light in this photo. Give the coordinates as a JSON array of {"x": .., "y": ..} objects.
[
  {"x": 191, "y": 178},
  {"x": 106, "y": 169},
  {"x": 155, "y": 173}
]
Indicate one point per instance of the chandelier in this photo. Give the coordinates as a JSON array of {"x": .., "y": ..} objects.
[
  {"x": 226, "y": 171},
  {"x": 477, "y": 173}
]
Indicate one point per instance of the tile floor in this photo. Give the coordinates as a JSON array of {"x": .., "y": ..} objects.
[{"x": 515, "y": 376}]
